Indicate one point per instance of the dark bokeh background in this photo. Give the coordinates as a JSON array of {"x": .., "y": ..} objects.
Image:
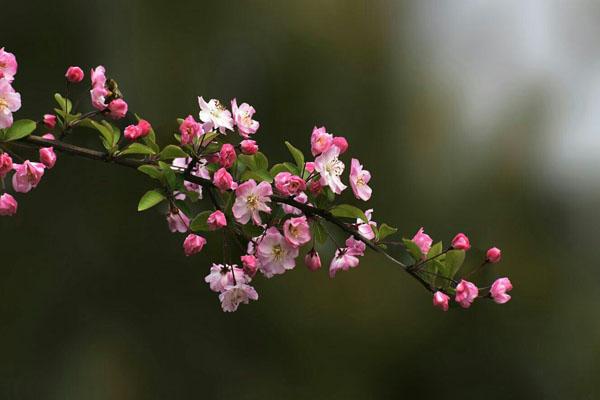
[{"x": 473, "y": 117}]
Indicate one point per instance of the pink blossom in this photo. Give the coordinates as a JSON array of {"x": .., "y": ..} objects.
[
  {"x": 461, "y": 242},
  {"x": 296, "y": 231},
  {"x": 355, "y": 247},
  {"x": 359, "y": 180},
  {"x": 365, "y": 228},
  {"x": 47, "y": 156},
  {"x": 315, "y": 187},
  {"x": 8, "y": 205},
  {"x": 10, "y": 102},
  {"x": 423, "y": 241},
  {"x": 330, "y": 168},
  {"x": 493, "y": 255},
  {"x": 50, "y": 121},
  {"x": 250, "y": 264},
  {"x": 250, "y": 200},
  {"x": 227, "y": 155},
  {"x": 8, "y": 65},
  {"x": 98, "y": 95},
  {"x": 216, "y": 220},
  {"x": 221, "y": 276},
  {"x": 466, "y": 293},
  {"x": 223, "y": 180},
  {"x": 178, "y": 222},
  {"x": 118, "y": 109},
  {"x": 248, "y": 147},
  {"x": 233, "y": 296},
  {"x": 6, "y": 164},
  {"x": 346, "y": 258},
  {"x": 145, "y": 127},
  {"x": 242, "y": 117},
  {"x": 74, "y": 74},
  {"x": 132, "y": 132},
  {"x": 189, "y": 130},
  {"x": 98, "y": 76},
  {"x": 341, "y": 143},
  {"x": 289, "y": 184},
  {"x": 27, "y": 176},
  {"x": 499, "y": 289},
  {"x": 215, "y": 115},
  {"x": 320, "y": 141},
  {"x": 300, "y": 198},
  {"x": 275, "y": 254},
  {"x": 193, "y": 244},
  {"x": 440, "y": 300},
  {"x": 309, "y": 166},
  {"x": 312, "y": 260}
]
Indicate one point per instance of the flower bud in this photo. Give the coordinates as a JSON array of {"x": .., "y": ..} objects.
[
  {"x": 223, "y": 180},
  {"x": 8, "y": 205},
  {"x": 440, "y": 300},
  {"x": 193, "y": 244},
  {"x": 499, "y": 289},
  {"x": 132, "y": 132},
  {"x": 250, "y": 264},
  {"x": 118, "y": 109},
  {"x": 493, "y": 255},
  {"x": 6, "y": 164},
  {"x": 144, "y": 127},
  {"x": 461, "y": 242},
  {"x": 227, "y": 155},
  {"x": 309, "y": 166},
  {"x": 50, "y": 121},
  {"x": 312, "y": 260},
  {"x": 466, "y": 293},
  {"x": 48, "y": 157},
  {"x": 341, "y": 143},
  {"x": 216, "y": 220},
  {"x": 248, "y": 147},
  {"x": 74, "y": 74}
]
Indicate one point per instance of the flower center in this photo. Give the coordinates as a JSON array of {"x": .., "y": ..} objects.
[
  {"x": 335, "y": 167},
  {"x": 277, "y": 252},
  {"x": 360, "y": 181},
  {"x": 252, "y": 201},
  {"x": 3, "y": 103}
]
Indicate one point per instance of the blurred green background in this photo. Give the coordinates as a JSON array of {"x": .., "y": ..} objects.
[{"x": 473, "y": 116}]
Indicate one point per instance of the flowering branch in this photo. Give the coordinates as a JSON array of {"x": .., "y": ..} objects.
[{"x": 271, "y": 212}]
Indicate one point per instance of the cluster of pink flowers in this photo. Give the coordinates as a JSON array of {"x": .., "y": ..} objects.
[
  {"x": 10, "y": 100},
  {"x": 105, "y": 95}
]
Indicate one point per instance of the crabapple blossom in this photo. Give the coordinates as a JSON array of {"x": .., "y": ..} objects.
[
  {"x": 74, "y": 74},
  {"x": 359, "y": 179},
  {"x": 347, "y": 257},
  {"x": 216, "y": 220},
  {"x": 461, "y": 242},
  {"x": 98, "y": 95},
  {"x": 227, "y": 155},
  {"x": 493, "y": 255},
  {"x": 27, "y": 176},
  {"x": 221, "y": 276},
  {"x": 499, "y": 289},
  {"x": 193, "y": 244},
  {"x": 365, "y": 228},
  {"x": 8, "y": 205},
  {"x": 189, "y": 130},
  {"x": 132, "y": 132},
  {"x": 48, "y": 157},
  {"x": 315, "y": 187},
  {"x": 309, "y": 166},
  {"x": 6, "y": 164},
  {"x": 215, "y": 115},
  {"x": 118, "y": 109},
  {"x": 178, "y": 221},
  {"x": 312, "y": 260},
  {"x": 242, "y": 116},
  {"x": 331, "y": 168},
  {"x": 10, "y": 102},
  {"x": 50, "y": 120},
  {"x": 320, "y": 141},
  {"x": 423, "y": 241},
  {"x": 145, "y": 127},
  {"x": 234, "y": 295},
  {"x": 288, "y": 184},
  {"x": 466, "y": 293},
  {"x": 250, "y": 200},
  {"x": 341, "y": 143},
  {"x": 275, "y": 254},
  {"x": 440, "y": 300},
  {"x": 248, "y": 147},
  {"x": 250, "y": 264},
  {"x": 296, "y": 231},
  {"x": 8, "y": 65},
  {"x": 223, "y": 180},
  {"x": 98, "y": 76}
]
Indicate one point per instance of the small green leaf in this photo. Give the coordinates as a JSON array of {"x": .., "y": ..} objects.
[
  {"x": 151, "y": 171},
  {"x": 252, "y": 230},
  {"x": 385, "y": 230},
  {"x": 413, "y": 249},
  {"x": 258, "y": 176},
  {"x": 262, "y": 163},
  {"x": 19, "y": 130},
  {"x": 64, "y": 104},
  {"x": 277, "y": 168},
  {"x": 318, "y": 231},
  {"x": 106, "y": 134},
  {"x": 199, "y": 222},
  {"x": 248, "y": 161},
  {"x": 454, "y": 260},
  {"x": 171, "y": 151},
  {"x": 296, "y": 154},
  {"x": 435, "y": 250},
  {"x": 169, "y": 174},
  {"x": 150, "y": 199},
  {"x": 137, "y": 148},
  {"x": 207, "y": 138},
  {"x": 348, "y": 211}
]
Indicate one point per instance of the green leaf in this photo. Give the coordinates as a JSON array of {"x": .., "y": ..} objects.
[
  {"x": 413, "y": 249},
  {"x": 258, "y": 176},
  {"x": 137, "y": 148},
  {"x": 171, "y": 151},
  {"x": 248, "y": 161},
  {"x": 151, "y": 171},
  {"x": 385, "y": 230},
  {"x": 435, "y": 250},
  {"x": 252, "y": 230},
  {"x": 261, "y": 161},
  {"x": 318, "y": 231},
  {"x": 348, "y": 211},
  {"x": 106, "y": 134},
  {"x": 19, "y": 130},
  {"x": 64, "y": 104},
  {"x": 277, "y": 168},
  {"x": 296, "y": 154},
  {"x": 150, "y": 199},
  {"x": 207, "y": 138},
  {"x": 169, "y": 174},
  {"x": 199, "y": 222},
  {"x": 454, "y": 260}
]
